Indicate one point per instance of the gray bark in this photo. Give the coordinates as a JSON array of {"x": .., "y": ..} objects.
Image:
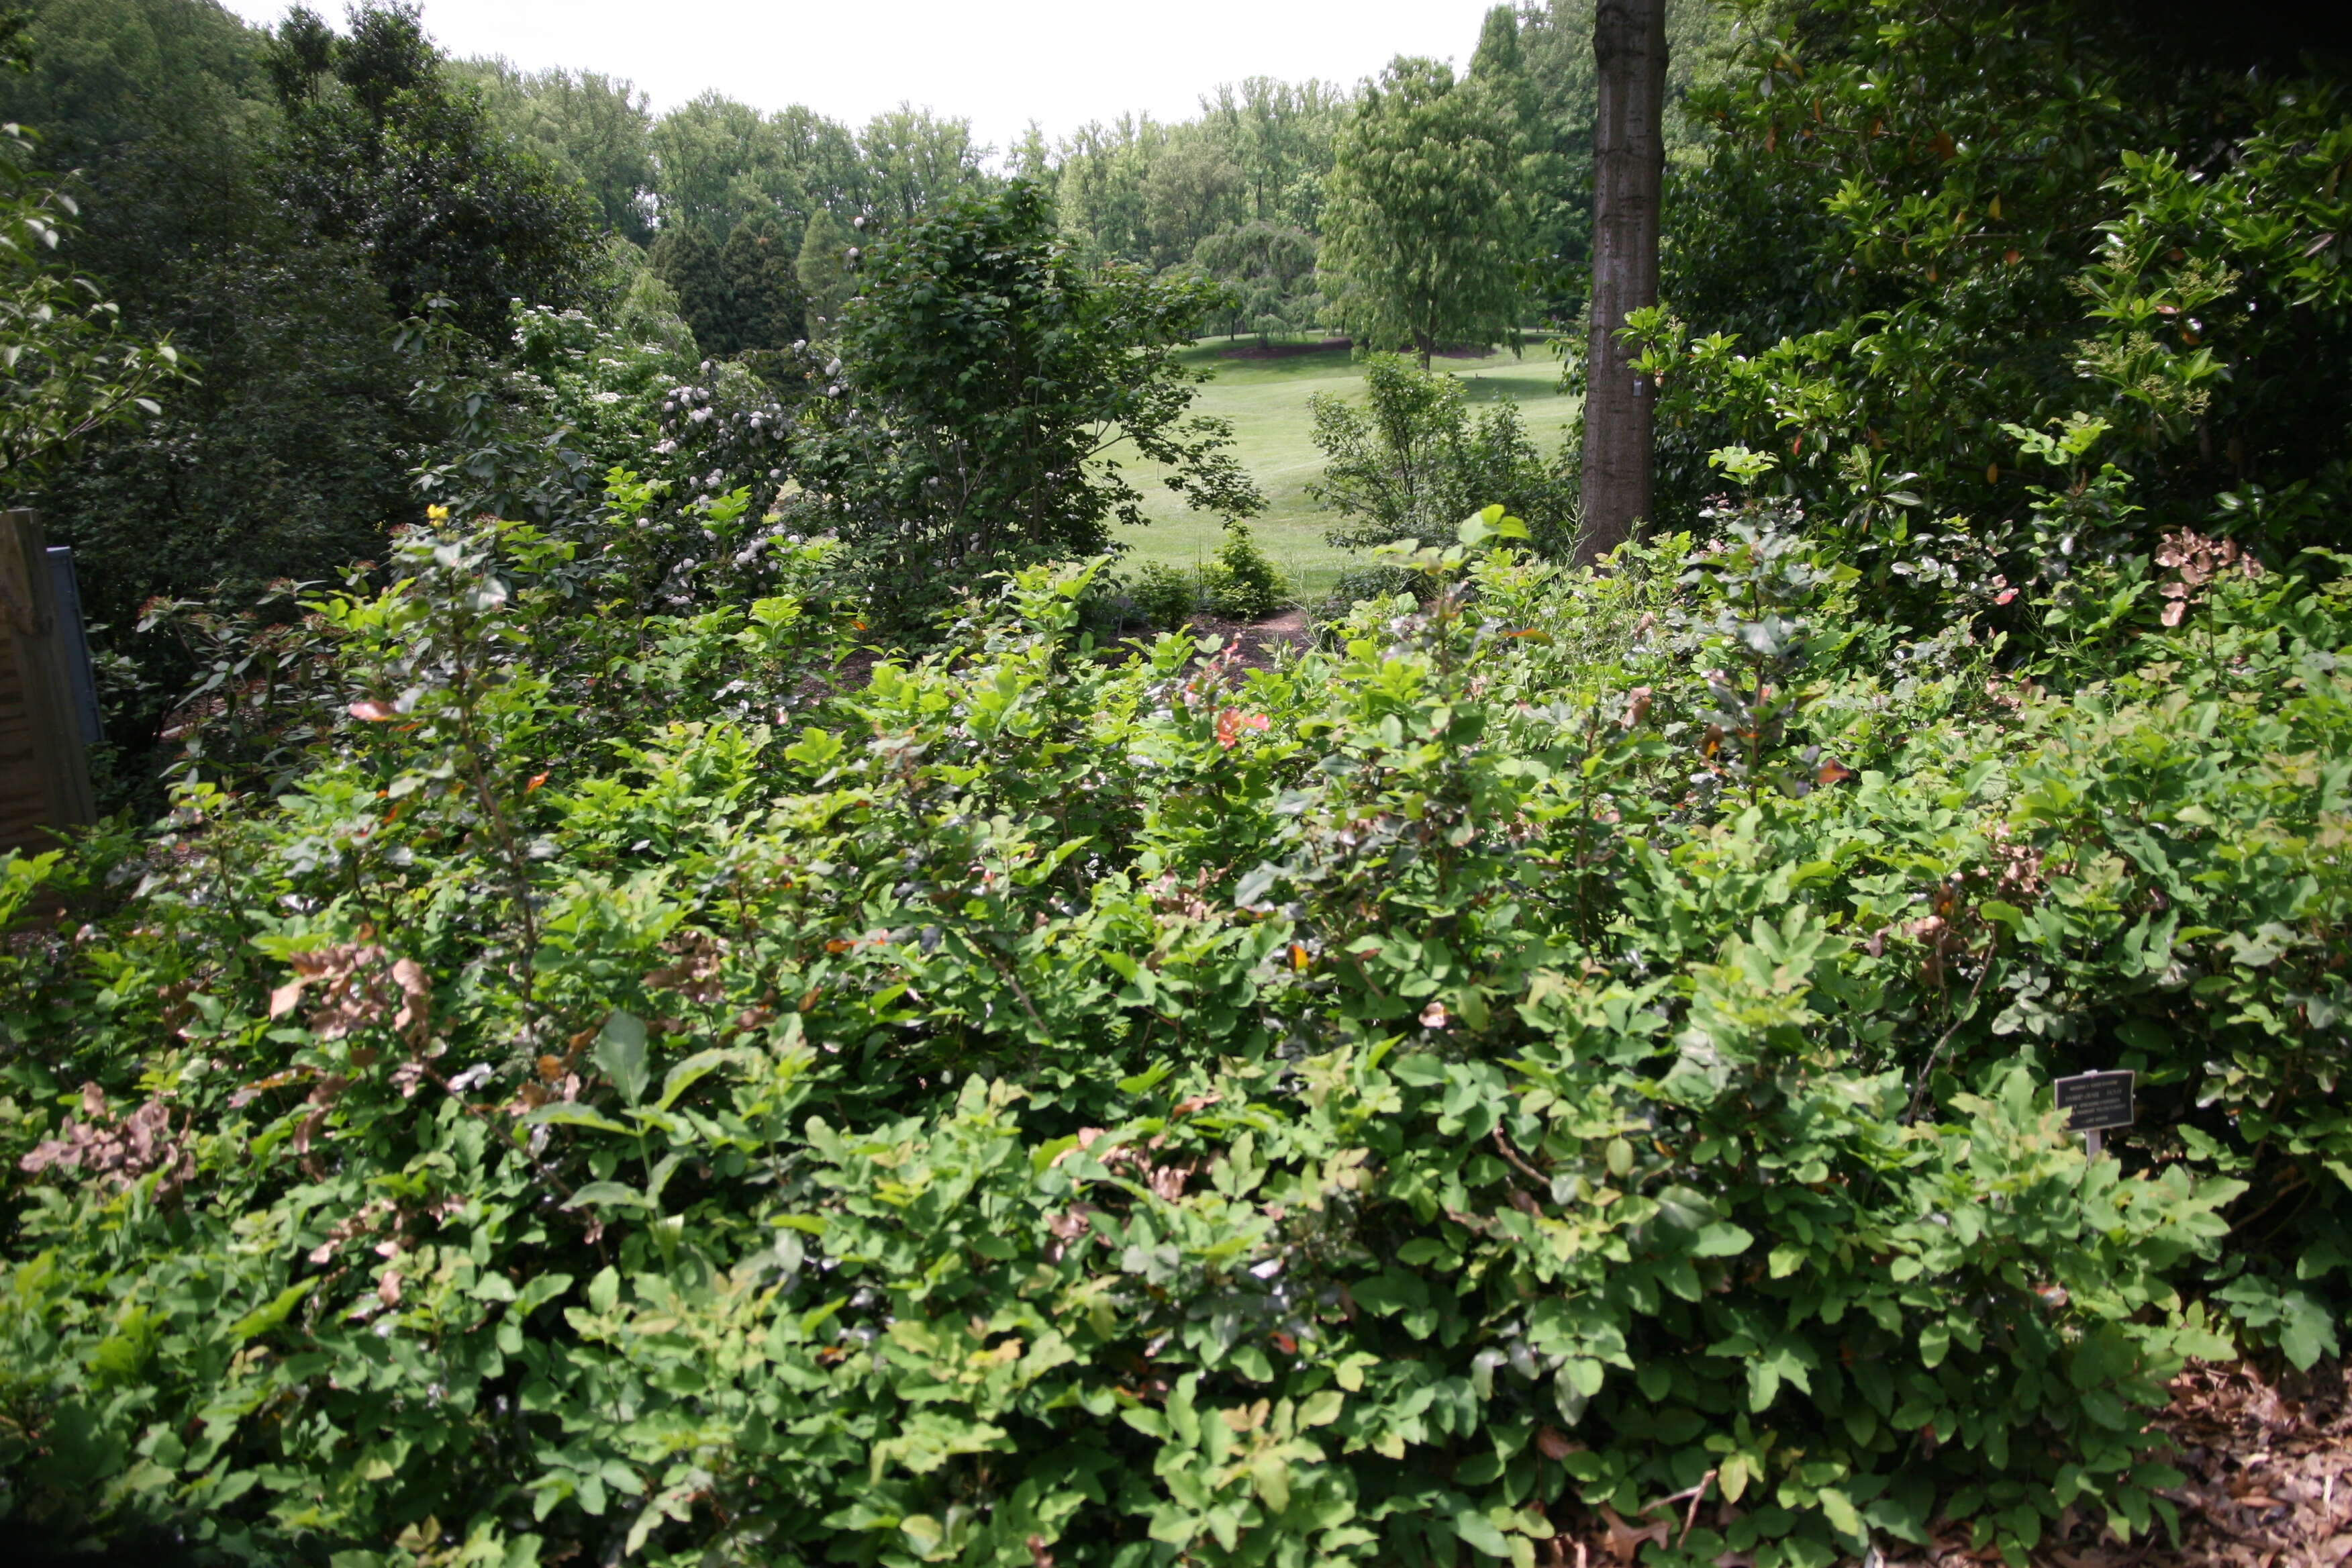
[{"x": 1629, "y": 156}]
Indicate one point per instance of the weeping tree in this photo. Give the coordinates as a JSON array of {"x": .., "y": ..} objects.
[
  {"x": 1424, "y": 214},
  {"x": 1268, "y": 271}
]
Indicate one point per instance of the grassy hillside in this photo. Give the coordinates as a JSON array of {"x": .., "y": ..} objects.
[{"x": 1267, "y": 401}]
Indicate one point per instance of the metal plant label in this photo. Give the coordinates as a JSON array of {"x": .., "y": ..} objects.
[{"x": 2095, "y": 1101}]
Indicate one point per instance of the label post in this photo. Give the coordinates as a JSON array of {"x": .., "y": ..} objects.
[{"x": 2095, "y": 1102}]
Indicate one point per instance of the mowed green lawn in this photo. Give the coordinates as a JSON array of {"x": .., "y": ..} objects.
[{"x": 1265, "y": 399}]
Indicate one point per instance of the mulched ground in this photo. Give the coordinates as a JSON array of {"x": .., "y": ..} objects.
[
  {"x": 1285, "y": 350},
  {"x": 2267, "y": 1463},
  {"x": 2266, "y": 1460},
  {"x": 2269, "y": 1467}
]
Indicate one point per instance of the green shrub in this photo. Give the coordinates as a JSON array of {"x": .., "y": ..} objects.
[
  {"x": 1415, "y": 461},
  {"x": 1166, "y": 595},
  {"x": 1243, "y": 585},
  {"x": 629, "y": 1097},
  {"x": 1868, "y": 296},
  {"x": 1356, "y": 584},
  {"x": 954, "y": 433}
]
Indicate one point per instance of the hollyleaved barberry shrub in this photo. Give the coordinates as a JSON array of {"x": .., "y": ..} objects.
[{"x": 1570, "y": 1055}]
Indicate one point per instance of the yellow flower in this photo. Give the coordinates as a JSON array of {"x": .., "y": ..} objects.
[{"x": 437, "y": 514}]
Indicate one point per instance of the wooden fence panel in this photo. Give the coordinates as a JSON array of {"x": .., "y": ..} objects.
[{"x": 44, "y": 768}]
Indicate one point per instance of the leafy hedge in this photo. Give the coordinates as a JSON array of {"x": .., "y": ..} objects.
[{"x": 1568, "y": 1057}]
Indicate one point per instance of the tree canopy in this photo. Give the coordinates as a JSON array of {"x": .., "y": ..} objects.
[
  {"x": 384, "y": 148},
  {"x": 984, "y": 371},
  {"x": 1424, "y": 213},
  {"x": 593, "y": 128}
]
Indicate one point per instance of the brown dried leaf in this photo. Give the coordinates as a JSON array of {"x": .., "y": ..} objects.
[
  {"x": 415, "y": 1015},
  {"x": 122, "y": 1151},
  {"x": 1624, "y": 1542},
  {"x": 696, "y": 973}
]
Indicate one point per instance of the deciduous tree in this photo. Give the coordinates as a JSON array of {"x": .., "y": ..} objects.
[
  {"x": 1193, "y": 190},
  {"x": 593, "y": 127},
  {"x": 70, "y": 368},
  {"x": 382, "y": 148},
  {"x": 1268, "y": 272},
  {"x": 916, "y": 162},
  {"x": 1629, "y": 48},
  {"x": 717, "y": 162},
  {"x": 981, "y": 378},
  {"x": 1425, "y": 213},
  {"x": 1279, "y": 135}
]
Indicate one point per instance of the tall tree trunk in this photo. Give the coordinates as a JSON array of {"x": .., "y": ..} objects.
[{"x": 1629, "y": 166}]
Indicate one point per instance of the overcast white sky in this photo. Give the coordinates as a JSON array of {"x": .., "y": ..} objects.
[{"x": 999, "y": 63}]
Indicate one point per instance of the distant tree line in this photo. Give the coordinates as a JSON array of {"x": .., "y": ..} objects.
[
  {"x": 352, "y": 242},
  {"x": 736, "y": 202},
  {"x": 187, "y": 121},
  {"x": 1488, "y": 171}
]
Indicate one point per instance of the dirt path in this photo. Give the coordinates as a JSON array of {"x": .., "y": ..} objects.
[{"x": 1257, "y": 643}]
